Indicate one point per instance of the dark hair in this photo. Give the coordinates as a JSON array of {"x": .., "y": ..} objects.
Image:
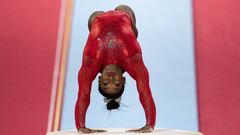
[{"x": 112, "y": 104}]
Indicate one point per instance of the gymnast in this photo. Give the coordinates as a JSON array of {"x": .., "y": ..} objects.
[{"x": 111, "y": 49}]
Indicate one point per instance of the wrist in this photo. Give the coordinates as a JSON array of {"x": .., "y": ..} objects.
[
  {"x": 81, "y": 127},
  {"x": 150, "y": 125}
]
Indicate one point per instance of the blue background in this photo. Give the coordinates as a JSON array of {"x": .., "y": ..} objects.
[{"x": 166, "y": 37}]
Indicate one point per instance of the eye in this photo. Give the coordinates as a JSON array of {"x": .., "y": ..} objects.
[
  {"x": 117, "y": 84},
  {"x": 105, "y": 83}
]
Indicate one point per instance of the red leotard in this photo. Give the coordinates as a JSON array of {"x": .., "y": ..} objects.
[{"x": 112, "y": 41}]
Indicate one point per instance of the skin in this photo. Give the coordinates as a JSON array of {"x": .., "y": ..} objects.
[
  {"x": 129, "y": 11},
  {"x": 111, "y": 79},
  {"x": 145, "y": 129},
  {"x": 88, "y": 130},
  {"x": 91, "y": 18}
]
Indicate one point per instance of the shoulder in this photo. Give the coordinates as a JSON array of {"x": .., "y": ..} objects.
[
  {"x": 132, "y": 60},
  {"x": 90, "y": 62},
  {"x": 136, "y": 58},
  {"x": 86, "y": 61}
]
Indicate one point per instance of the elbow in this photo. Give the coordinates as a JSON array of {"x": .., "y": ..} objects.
[
  {"x": 83, "y": 96},
  {"x": 141, "y": 85}
]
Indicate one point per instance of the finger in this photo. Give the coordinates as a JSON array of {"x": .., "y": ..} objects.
[
  {"x": 146, "y": 130},
  {"x": 85, "y": 131},
  {"x": 100, "y": 131},
  {"x": 132, "y": 131}
]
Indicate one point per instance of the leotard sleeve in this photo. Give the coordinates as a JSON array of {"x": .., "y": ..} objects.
[
  {"x": 138, "y": 71},
  {"x": 87, "y": 73}
]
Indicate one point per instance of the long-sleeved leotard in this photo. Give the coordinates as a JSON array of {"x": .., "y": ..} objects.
[{"x": 112, "y": 41}]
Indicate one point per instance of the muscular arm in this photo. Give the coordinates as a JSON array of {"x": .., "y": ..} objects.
[
  {"x": 138, "y": 72},
  {"x": 87, "y": 73}
]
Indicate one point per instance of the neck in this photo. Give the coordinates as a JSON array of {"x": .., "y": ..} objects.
[{"x": 112, "y": 67}]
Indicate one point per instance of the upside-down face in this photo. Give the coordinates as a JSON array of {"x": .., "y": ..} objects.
[{"x": 111, "y": 80}]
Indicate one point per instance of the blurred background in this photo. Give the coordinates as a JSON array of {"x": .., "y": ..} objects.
[
  {"x": 166, "y": 38},
  {"x": 190, "y": 47}
]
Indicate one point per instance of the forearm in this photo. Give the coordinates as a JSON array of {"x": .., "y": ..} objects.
[
  {"x": 146, "y": 98},
  {"x": 149, "y": 108},
  {"x": 83, "y": 97},
  {"x": 86, "y": 75},
  {"x": 80, "y": 111},
  {"x": 139, "y": 72}
]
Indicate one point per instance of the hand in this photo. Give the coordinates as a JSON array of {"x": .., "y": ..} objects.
[
  {"x": 145, "y": 129},
  {"x": 88, "y": 130}
]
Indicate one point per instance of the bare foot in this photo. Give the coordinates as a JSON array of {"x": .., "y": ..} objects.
[
  {"x": 88, "y": 130},
  {"x": 145, "y": 129}
]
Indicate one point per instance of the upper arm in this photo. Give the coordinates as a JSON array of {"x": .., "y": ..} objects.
[
  {"x": 136, "y": 67},
  {"x": 138, "y": 71},
  {"x": 90, "y": 67},
  {"x": 87, "y": 73}
]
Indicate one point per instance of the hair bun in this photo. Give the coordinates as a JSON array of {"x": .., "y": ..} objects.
[{"x": 112, "y": 105}]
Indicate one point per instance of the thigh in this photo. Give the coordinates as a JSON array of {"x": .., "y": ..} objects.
[
  {"x": 129, "y": 11},
  {"x": 92, "y": 17}
]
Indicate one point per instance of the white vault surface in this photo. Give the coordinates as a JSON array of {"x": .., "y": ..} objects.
[{"x": 119, "y": 131}]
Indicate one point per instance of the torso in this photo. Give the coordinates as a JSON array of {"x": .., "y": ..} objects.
[{"x": 111, "y": 39}]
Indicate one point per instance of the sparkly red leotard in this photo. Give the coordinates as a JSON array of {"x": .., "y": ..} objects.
[{"x": 112, "y": 41}]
